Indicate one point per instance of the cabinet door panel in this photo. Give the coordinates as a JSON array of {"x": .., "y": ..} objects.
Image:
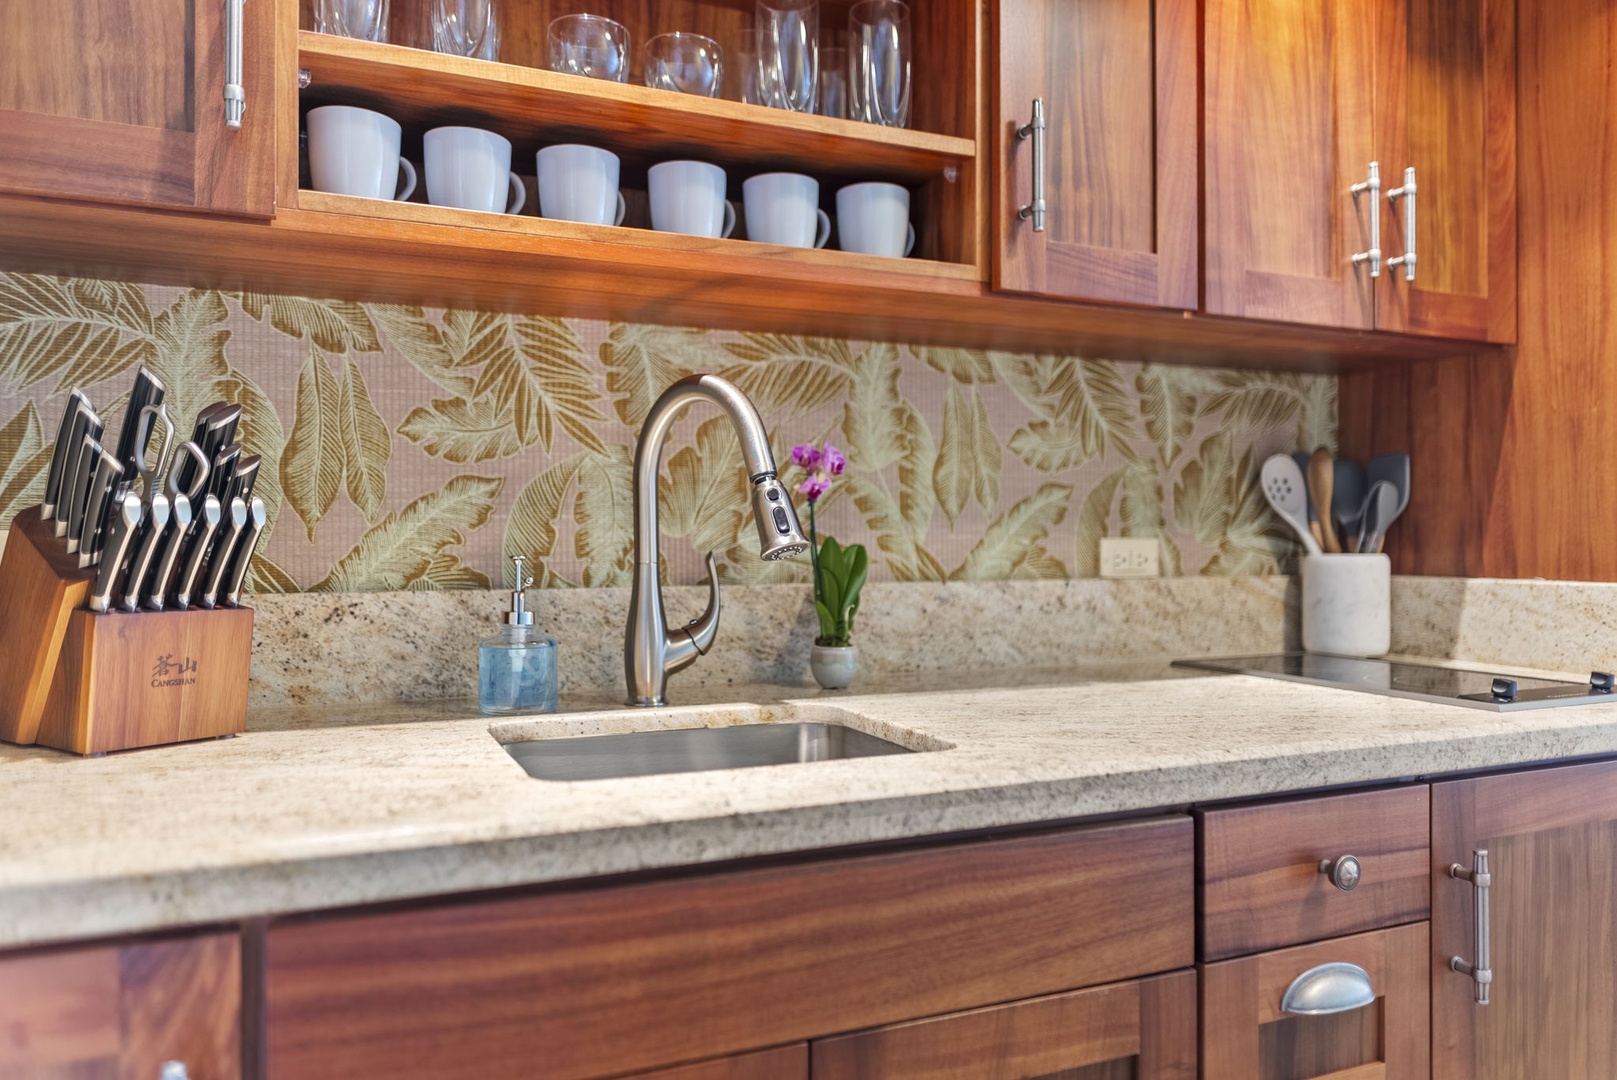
[
  {"x": 1118, "y": 80},
  {"x": 124, "y": 102},
  {"x": 781, "y": 1063},
  {"x": 1449, "y": 111},
  {"x": 1287, "y": 117},
  {"x": 1551, "y": 838},
  {"x": 1145, "y": 1030}
]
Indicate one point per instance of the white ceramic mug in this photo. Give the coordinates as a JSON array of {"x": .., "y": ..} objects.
[
  {"x": 1347, "y": 604},
  {"x": 784, "y": 208},
  {"x": 688, "y": 197},
  {"x": 874, "y": 219},
  {"x": 580, "y": 183},
  {"x": 470, "y": 168},
  {"x": 355, "y": 151}
]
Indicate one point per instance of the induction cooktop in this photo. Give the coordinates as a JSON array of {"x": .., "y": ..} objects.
[{"x": 1490, "y": 690}]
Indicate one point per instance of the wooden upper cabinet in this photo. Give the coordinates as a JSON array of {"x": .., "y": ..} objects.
[
  {"x": 122, "y": 101},
  {"x": 1446, "y": 108},
  {"x": 1288, "y": 134},
  {"x": 1551, "y": 839},
  {"x": 1118, "y": 82}
]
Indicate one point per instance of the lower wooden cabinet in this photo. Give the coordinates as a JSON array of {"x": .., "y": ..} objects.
[
  {"x": 1143, "y": 1030},
  {"x": 120, "y": 1012},
  {"x": 1247, "y": 1034}
]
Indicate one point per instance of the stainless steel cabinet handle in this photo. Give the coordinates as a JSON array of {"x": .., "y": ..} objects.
[
  {"x": 1481, "y": 971},
  {"x": 1407, "y": 192},
  {"x": 1372, "y": 185},
  {"x": 235, "y": 96},
  {"x": 1034, "y": 129},
  {"x": 1345, "y": 872},
  {"x": 1327, "y": 989}
]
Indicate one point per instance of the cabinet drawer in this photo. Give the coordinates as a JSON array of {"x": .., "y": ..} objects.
[
  {"x": 1247, "y": 1032},
  {"x": 1145, "y": 1030},
  {"x": 611, "y": 980},
  {"x": 1259, "y": 884}
]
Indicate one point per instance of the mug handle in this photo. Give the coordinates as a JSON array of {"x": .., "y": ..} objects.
[
  {"x": 909, "y": 245},
  {"x": 729, "y": 220},
  {"x": 824, "y": 232},
  {"x": 409, "y": 180},
  {"x": 519, "y": 198},
  {"x": 622, "y": 210}
]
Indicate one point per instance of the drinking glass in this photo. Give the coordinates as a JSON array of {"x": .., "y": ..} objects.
[
  {"x": 688, "y": 63},
  {"x": 879, "y": 79},
  {"x": 464, "y": 27},
  {"x": 834, "y": 82},
  {"x": 365, "y": 19},
  {"x": 589, "y": 45},
  {"x": 789, "y": 53},
  {"x": 746, "y": 69}
]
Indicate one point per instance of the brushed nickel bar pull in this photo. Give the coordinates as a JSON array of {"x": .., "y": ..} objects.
[
  {"x": 1407, "y": 192},
  {"x": 1372, "y": 185},
  {"x": 1034, "y": 129},
  {"x": 235, "y": 95},
  {"x": 1480, "y": 972}
]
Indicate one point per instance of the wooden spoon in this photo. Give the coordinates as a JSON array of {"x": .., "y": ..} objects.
[{"x": 1321, "y": 485}]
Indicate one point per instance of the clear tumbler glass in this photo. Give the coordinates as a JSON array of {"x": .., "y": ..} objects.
[
  {"x": 789, "y": 53},
  {"x": 465, "y": 28},
  {"x": 834, "y": 82},
  {"x": 879, "y": 79},
  {"x": 589, "y": 45},
  {"x": 688, "y": 63},
  {"x": 364, "y": 19}
]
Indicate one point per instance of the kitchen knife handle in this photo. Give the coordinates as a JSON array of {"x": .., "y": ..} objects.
[
  {"x": 79, "y": 497},
  {"x": 207, "y": 523},
  {"x": 77, "y": 403},
  {"x": 173, "y": 544},
  {"x": 230, "y": 534},
  {"x": 257, "y": 515},
  {"x": 146, "y": 548},
  {"x": 119, "y": 536},
  {"x": 106, "y": 494}
]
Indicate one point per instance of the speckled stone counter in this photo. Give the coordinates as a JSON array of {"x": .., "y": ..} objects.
[{"x": 363, "y": 803}]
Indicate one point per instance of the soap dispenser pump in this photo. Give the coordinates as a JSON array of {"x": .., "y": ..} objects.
[{"x": 516, "y": 668}]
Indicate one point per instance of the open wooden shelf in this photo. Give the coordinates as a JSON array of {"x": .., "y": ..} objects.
[{"x": 533, "y": 107}]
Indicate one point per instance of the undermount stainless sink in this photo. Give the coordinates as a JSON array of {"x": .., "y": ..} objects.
[{"x": 680, "y": 750}]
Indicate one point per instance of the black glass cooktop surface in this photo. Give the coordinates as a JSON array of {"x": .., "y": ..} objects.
[{"x": 1496, "y": 690}]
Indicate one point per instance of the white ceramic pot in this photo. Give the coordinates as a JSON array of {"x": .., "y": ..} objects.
[
  {"x": 1347, "y": 604},
  {"x": 834, "y": 666}
]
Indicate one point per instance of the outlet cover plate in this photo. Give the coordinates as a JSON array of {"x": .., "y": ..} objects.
[{"x": 1130, "y": 557}]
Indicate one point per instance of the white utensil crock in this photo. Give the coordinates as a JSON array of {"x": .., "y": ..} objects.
[{"x": 1347, "y": 604}]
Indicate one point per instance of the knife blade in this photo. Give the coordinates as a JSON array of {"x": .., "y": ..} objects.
[
  {"x": 134, "y": 433},
  {"x": 108, "y": 471},
  {"x": 120, "y": 533},
  {"x": 229, "y": 534},
  {"x": 79, "y": 495},
  {"x": 257, "y": 515},
  {"x": 206, "y": 524},
  {"x": 173, "y": 542},
  {"x": 74, "y": 482},
  {"x": 77, "y": 403},
  {"x": 154, "y": 521}
]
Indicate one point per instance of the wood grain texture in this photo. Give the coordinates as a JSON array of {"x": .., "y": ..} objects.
[
  {"x": 146, "y": 679},
  {"x": 1240, "y": 998},
  {"x": 40, "y": 585},
  {"x": 1449, "y": 110},
  {"x": 1147, "y": 1024},
  {"x": 1119, "y": 85},
  {"x": 119, "y": 1012},
  {"x": 1551, "y": 836},
  {"x": 602, "y": 981},
  {"x": 1288, "y": 130},
  {"x": 1258, "y": 880},
  {"x": 781, "y": 1063}
]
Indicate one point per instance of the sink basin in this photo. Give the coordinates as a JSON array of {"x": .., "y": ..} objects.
[{"x": 680, "y": 750}]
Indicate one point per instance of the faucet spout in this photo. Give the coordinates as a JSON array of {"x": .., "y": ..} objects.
[{"x": 650, "y": 652}]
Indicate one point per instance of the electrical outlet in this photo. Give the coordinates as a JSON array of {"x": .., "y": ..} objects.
[{"x": 1129, "y": 556}]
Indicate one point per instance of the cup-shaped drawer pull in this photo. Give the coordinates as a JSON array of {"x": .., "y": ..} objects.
[
  {"x": 1344, "y": 871},
  {"x": 1327, "y": 989}
]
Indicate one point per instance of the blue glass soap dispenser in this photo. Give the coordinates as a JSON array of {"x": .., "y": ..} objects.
[{"x": 516, "y": 668}]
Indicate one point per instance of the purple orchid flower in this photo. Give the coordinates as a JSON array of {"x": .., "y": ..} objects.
[
  {"x": 832, "y": 460},
  {"x": 807, "y": 456},
  {"x": 815, "y": 486}
]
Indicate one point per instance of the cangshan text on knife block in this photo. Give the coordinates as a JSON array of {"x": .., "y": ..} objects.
[{"x": 91, "y": 683}]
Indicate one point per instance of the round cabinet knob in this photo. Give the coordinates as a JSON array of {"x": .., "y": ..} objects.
[
  {"x": 173, "y": 1070},
  {"x": 1344, "y": 872}
]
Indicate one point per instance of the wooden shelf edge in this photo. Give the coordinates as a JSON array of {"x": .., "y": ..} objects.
[{"x": 339, "y": 255}]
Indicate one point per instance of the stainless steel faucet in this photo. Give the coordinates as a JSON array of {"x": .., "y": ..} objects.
[{"x": 651, "y": 652}]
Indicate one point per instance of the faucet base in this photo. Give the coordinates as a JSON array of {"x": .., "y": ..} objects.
[{"x": 641, "y": 702}]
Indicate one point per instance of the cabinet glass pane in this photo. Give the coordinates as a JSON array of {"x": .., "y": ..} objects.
[{"x": 1304, "y": 1047}]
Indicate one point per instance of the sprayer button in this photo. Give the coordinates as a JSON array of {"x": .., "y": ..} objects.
[
  {"x": 782, "y": 525},
  {"x": 773, "y": 494}
]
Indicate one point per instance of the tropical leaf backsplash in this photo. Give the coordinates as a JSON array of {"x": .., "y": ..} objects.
[{"x": 412, "y": 448}]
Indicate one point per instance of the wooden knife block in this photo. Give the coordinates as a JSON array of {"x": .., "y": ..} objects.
[{"x": 89, "y": 683}]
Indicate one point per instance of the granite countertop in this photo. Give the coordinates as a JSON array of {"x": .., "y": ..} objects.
[{"x": 348, "y": 805}]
